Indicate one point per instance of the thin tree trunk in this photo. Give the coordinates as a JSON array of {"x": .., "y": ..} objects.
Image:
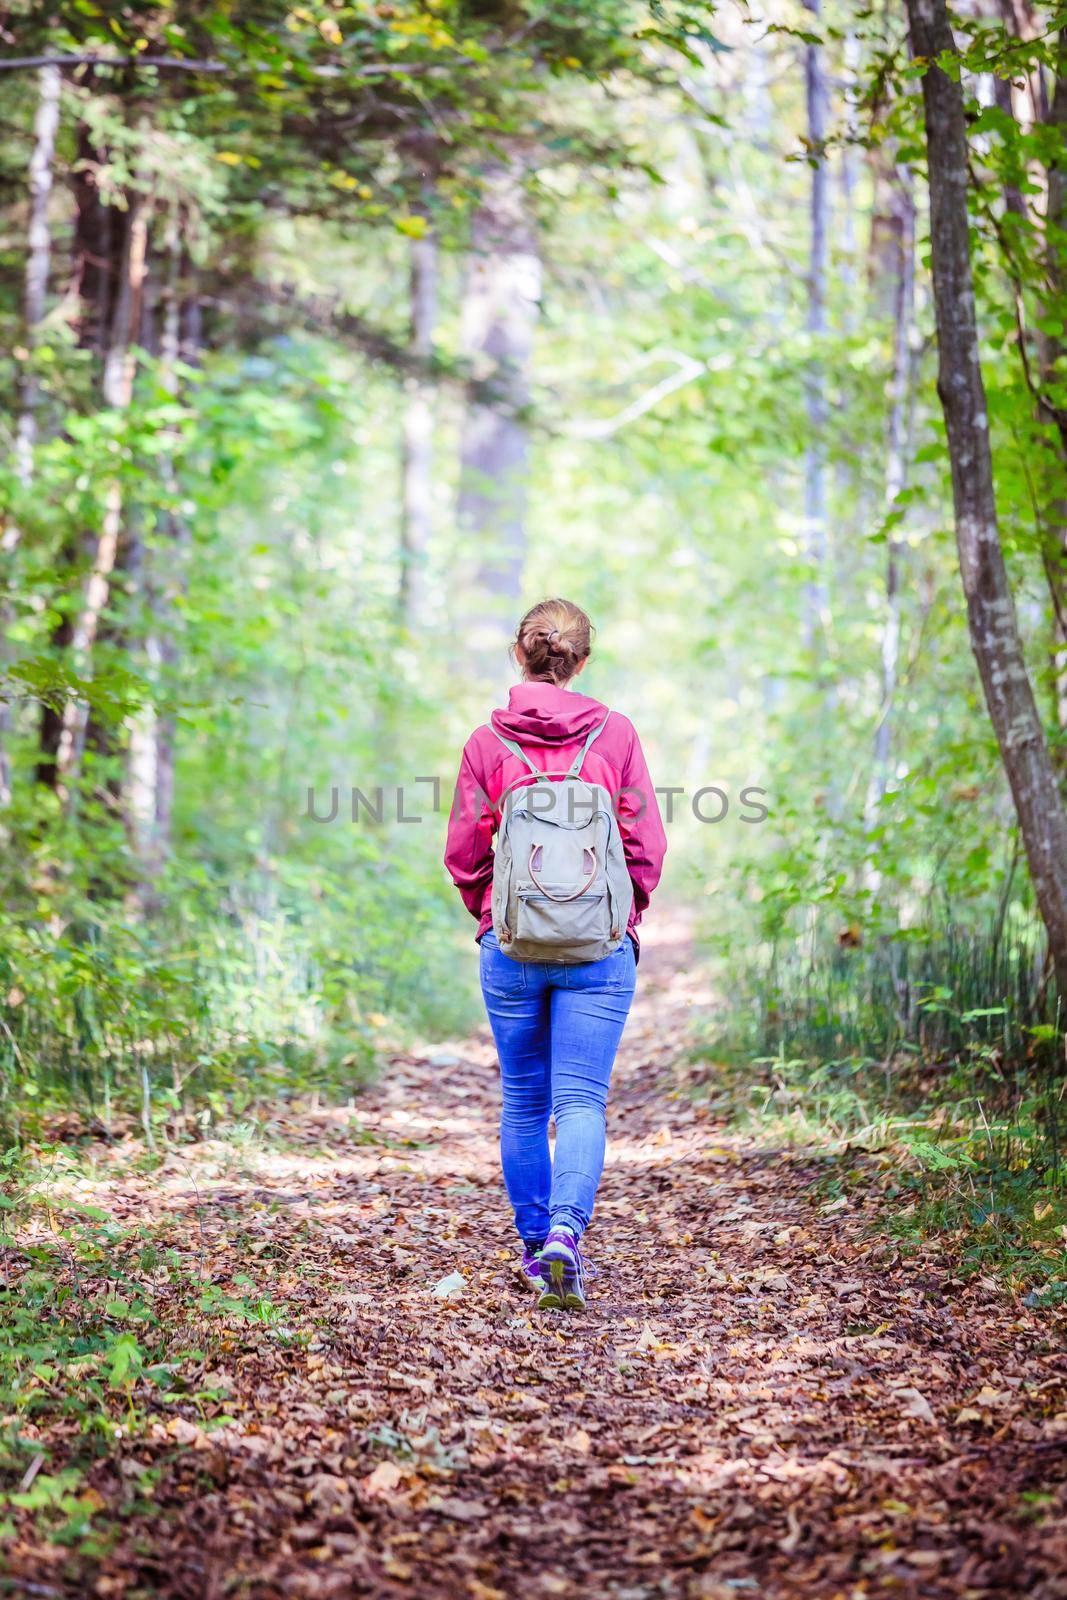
[
  {"x": 416, "y": 497},
  {"x": 849, "y": 179},
  {"x": 183, "y": 334},
  {"x": 1019, "y": 20},
  {"x": 159, "y": 339},
  {"x": 500, "y": 309},
  {"x": 849, "y": 476},
  {"x": 1004, "y": 101},
  {"x": 991, "y": 615},
  {"x": 117, "y": 390},
  {"x": 38, "y": 262},
  {"x": 816, "y": 600},
  {"x": 97, "y": 236},
  {"x": 34, "y": 300},
  {"x": 1052, "y": 353},
  {"x": 121, "y": 636},
  {"x": 897, "y": 453},
  {"x": 150, "y": 754}
]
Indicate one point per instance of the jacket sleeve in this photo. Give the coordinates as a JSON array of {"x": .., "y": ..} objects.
[
  {"x": 640, "y": 824},
  {"x": 469, "y": 843}
]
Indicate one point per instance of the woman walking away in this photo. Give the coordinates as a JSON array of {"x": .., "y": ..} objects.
[{"x": 561, "y": 783}]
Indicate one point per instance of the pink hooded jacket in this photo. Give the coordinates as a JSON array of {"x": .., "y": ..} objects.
[{"x": 551, "y": 725}]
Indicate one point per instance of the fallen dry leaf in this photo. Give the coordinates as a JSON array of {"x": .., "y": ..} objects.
[
  {"x": 915, "y": 1405},
  {"x": 578, "y": 1441},
  {"x": 386, "y": 1477},
  {"x": 459, "y": 1510},
  {"x": 450, "y": 1287}
]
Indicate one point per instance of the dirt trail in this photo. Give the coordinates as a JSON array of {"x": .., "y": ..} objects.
[{"x": 763, "y": 1398}]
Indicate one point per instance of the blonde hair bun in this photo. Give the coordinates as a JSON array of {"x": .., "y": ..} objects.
[{"x": 555, "y": 637}]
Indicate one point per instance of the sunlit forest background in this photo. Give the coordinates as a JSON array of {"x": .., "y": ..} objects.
[{"x": 336, "y": 336}]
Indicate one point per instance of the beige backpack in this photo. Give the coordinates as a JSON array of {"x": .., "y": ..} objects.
[{"x": 561, "y": 886}]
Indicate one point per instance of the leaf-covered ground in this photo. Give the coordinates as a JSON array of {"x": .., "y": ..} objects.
[{"x": 764, "y": 1397}]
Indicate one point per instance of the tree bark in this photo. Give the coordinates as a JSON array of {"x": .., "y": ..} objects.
[
  {"x": 38, "y": 262},
  {"x": 1019, "y": 19},
  {"x": 97, "y": 234},
  {"x": 1051, "y": 362},
  {"x": 117, "y": 390},
  {"x": 897, "y": 453},
  {"x": 190, "y": 340},
  {"x": 34, "y": 300},
  {"x": 991, "y": 615},
  {"x": 816, "y": 598},
  {"x": 152, "y": 732},
  {"x": 499, "y": 316},
  {"x": 416, "y": 470},
  {"x": 849, "y": 182}
]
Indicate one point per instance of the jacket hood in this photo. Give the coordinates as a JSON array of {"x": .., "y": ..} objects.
[{"x": 544, "y": 714}]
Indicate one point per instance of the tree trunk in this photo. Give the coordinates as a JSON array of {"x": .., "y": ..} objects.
[
  {"x": 1020, "y": 21},
  {"x": 849, "y": 183},
  {"x": 190, "y": 339},
  {"x": 897, "y": 453},
  {"x": 416, "y": 496},
  {"x": 1004, "y": 101},
  {"x": 34, "y": 299},
  {"x": 38, "y": 261},
  {"x": 500, "y": 309},
  {"x": 816, "y": 600},
  {"x": 990, "y": 608},
  {"x": 117, "y": 390},
  {"x": 1052, "y": 353},
  {"x": 122, "y": 785},
  {"x": 97, "y": 234},
  {"x": 150, "y": 762}
]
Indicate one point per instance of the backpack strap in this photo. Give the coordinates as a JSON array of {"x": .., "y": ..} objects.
[
  {"x": 576, "y": 765},
  {"x": 579, "y": 760},
  {"x": 517, "y": 750}
]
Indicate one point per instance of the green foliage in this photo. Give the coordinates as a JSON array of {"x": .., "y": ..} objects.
[
  {"x": 74, "y": 1351},
  {"x": 249, "y": 632},
  {"x": 941, "y": 1055}
]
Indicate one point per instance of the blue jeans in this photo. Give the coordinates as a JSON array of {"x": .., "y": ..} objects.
[{"x": 557, "y": 1029}]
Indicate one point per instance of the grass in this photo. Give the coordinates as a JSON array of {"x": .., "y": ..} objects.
[
  {"x": 108, "y": 1334},
  {"x": 941, "y": 1060},
  {"x": 214, "y": 1008}
]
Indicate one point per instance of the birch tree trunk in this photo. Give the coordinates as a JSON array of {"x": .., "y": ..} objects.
[
  {"x": 500, "y": 308},
  {"x": 159, "y": 339},
  {"x": 897, "y": 453},
  {"x": 38, "y": 262},
  {"x": 1021, "y": 22},
  {"x": 816, "y": 601},
  {"x": 117, "y": 390},
  {"x": 849, "y": 180},
  {"x": 96, "y": 230},
  {"x": 990, "y": 608},
  {"x": 34, "y": 300},
  {"x": 416, "y": 470},
  {"x": 150, "y": 764},
  {"x": 190, "y": 342}
]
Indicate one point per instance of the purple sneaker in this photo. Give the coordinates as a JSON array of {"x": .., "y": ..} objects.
[
  {"x": 529, "y": 1271},
  {"x": 563, "y": 1270}
]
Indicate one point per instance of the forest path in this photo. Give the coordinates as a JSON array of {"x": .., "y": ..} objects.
[{"x": 763, "y": 1397}]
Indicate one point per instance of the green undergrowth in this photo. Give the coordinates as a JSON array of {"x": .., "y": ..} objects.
[
  {"x": 939, "y": 1066},
  {"x": 113, "y": 1337},
  {"x": 982, "y": 1176},
  {"x": 180, "y": 1023}
]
